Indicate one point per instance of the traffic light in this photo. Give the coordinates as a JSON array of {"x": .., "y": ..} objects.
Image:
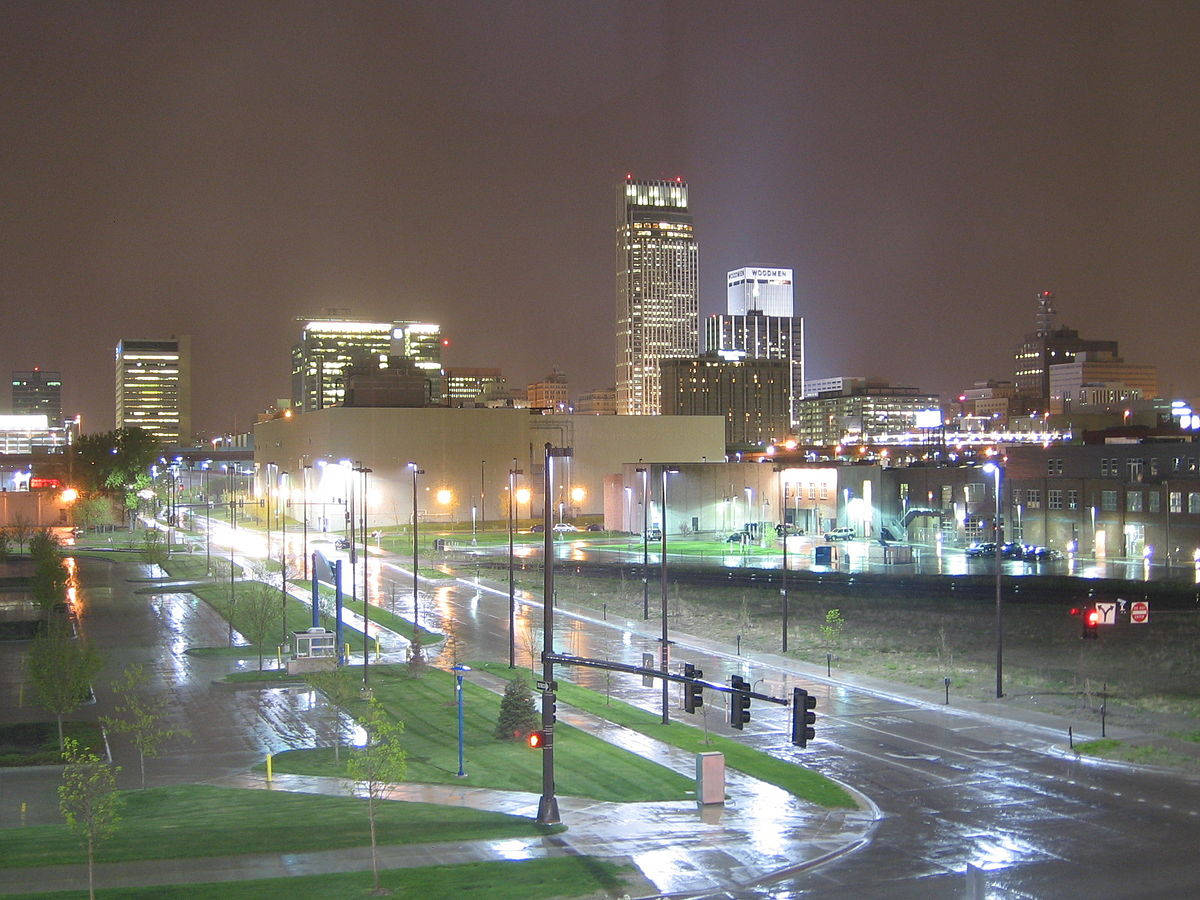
[
  {"x": 536, "y": 740},
  {"x": 802, "y": 717},
  {"x": 739, "y": 703},
  {"x": 1090, "y": 618},
  {"x": 550, "y": 705},
  {"x": 693, "y": 694}
]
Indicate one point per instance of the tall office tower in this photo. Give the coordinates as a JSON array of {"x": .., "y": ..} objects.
[
  {"x": 760, "y": 325},
  {"x": 1049, "y": 346},
  {"x": 658, "y": 303},
  {"x": 154, "y": 388},
  {"x": 328, "y": 346},
  {"x": 38, "y": 393}
]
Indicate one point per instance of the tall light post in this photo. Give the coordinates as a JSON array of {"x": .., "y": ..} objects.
[
  {"x": 994, "y": 469},
  {"x": 662, "y": 569},
  {"x": 207, "y": 520},
  {"x": 267, "y": 491},
  {"x": 645, "y": 471},
  {"x": 783, "y": 591},
  {"x": 459, "y": 671},
  {"x": 365, "y": 471},
  {"x": 548, "y": 804},
  {"x": 415, "y": 470},
  {"x": 513, "y": 472},
  {"x": 482, "y": 492},
  {"x": 304, "y": 468}
]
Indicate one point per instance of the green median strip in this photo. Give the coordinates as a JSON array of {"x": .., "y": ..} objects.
[
  {"x": 425, "y": 701},
  {"x": 379, "y": 615},
  {"x": 533, "y": 879},
  {"x": 803, "y": 783},
  {"x": 187, "y": 821}
]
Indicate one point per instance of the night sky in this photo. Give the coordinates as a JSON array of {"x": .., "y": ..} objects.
[{"x": 221, "y": 168}]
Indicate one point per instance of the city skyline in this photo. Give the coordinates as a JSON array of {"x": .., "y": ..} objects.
[{"x": 220, "y": 170}]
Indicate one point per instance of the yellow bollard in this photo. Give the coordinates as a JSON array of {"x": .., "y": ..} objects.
[
  {"x": 269, "y": 755},
  {"x": 23, "y": 812},
  {"x": 279, "y": 657},
  {"x": 347, "y": 652},
  {"x": 376, "y": 649}
]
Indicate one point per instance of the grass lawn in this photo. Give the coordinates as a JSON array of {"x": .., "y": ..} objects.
[
  {"x": 388, "y": 620},
  {"x": 198, "y": 820},
  {"x": 585, "y": 767},
  {"x": 532, "y": 879},
  {"x": 299, "y": 616},
  {"x": 1151, "y": 674},
  {"x": 805, "y": 784},
  {"x": 1144, "y": 754},
  {"x": 36, "y": 743}
]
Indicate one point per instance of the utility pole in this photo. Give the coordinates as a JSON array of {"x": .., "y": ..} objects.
[{"x": 548, "y": 805}]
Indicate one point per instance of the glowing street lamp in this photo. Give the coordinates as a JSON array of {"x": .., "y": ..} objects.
[{"x": 994, "y": 469}]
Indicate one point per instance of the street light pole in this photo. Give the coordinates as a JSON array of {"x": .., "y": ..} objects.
[
  {"x": 304, "y": 492},
  {"x": 482, "y": 502},
  {"x": 548, "y": 804},
  {"x": 783, "y": 591},
  {"x": 413, "y": 468},
  {"x": 645, "y": 470},
  {"x": 459, "y": 671},
  {"x": 663, "y": 582},
  {"x": 364, "y": 471},
  {"x": 995, "y": 472},
  {"x": 512, "y": 605}
]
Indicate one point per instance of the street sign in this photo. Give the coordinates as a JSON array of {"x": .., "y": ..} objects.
[
  {"x": 547, "y": 686},
  {"x": 647, "y": 663},
  {"x": 1108, "y": 613},
  {"x": 1139, "y": 612}
]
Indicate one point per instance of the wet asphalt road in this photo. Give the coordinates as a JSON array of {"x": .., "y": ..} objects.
[{"x": 955, "y": 788}]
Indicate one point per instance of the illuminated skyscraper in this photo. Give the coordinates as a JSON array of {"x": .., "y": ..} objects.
[
  {"x": 38, "y": 392},
  {"x": 154, "y": 388},
  {"x": 657, "y": 288},
  {"x": 761, "y": 324},
  {"x": 329, "y": 346}
]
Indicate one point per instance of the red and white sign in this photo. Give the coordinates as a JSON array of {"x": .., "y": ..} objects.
[{"x": 1139, "y": 612}]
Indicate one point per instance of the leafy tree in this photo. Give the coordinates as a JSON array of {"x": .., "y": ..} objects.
[
  {"x": 832, "y": 627},
  {"x": 49, "y": 582},
  {"x": 155, "y": 551},
  {"x": 517, "y": 716},
  {"x": 92, "y": 511},
  {"x": 140, "y": 714},
  {"x": 88, "y": 800},
  {"x": 339, "y": 688},
  {"x": 379, "y": 762},
  {"x": 259, "y": 612},
  {"x": 116, "y": 462},
  {"x": 22, "y": 531},
  {"x": 5, "y": 548},
  {"x": 61, "y": 670}
]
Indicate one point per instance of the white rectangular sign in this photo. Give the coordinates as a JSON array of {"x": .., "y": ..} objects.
[{"x": 1108, "y": 613}]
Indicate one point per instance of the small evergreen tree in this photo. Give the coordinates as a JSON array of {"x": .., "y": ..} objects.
[{"x": 517, "y": 716}]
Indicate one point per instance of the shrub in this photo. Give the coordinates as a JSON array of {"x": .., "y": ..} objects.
[{"x": 517, "y": 717}]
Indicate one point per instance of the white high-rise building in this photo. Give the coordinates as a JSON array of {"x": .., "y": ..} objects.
[
  {"x": 753, "y": 289},
  {"x": 658, "y": 306},
  {"x": 761, "y": 324}
]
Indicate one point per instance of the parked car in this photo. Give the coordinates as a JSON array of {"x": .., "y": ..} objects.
[
  {"x": 537, "y": 529},
  {"x": 654, "y": 533},
  {"x": 781, "y": 530},
  {"x": 840, "y": 534},
  {"x": 341, "y": 544},
  {"x": 985, "y": 548},
  {"x": 595, "y": 527},
  {"x": 738, "y": 537},
  {"x": 564, "y": 526}
]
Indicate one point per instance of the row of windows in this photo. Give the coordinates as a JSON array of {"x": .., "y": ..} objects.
[{"x": 1134, "y": 500}]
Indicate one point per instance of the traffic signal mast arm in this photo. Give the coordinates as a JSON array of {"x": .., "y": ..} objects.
[{"x": 563, "y": 660}]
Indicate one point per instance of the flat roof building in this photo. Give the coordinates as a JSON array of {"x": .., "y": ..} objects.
[
  {"x": 154, "y": 388},
  {"x": 658, "y": 299},
  {"x": 37, "y": 392}
]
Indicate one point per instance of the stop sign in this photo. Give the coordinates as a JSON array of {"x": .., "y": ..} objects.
[{"x": 1139, "y": 612}]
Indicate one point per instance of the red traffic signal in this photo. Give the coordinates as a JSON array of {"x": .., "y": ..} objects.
[
  {"x": 1093, "y": 618},
  {"x": 536, "y": 740}
]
